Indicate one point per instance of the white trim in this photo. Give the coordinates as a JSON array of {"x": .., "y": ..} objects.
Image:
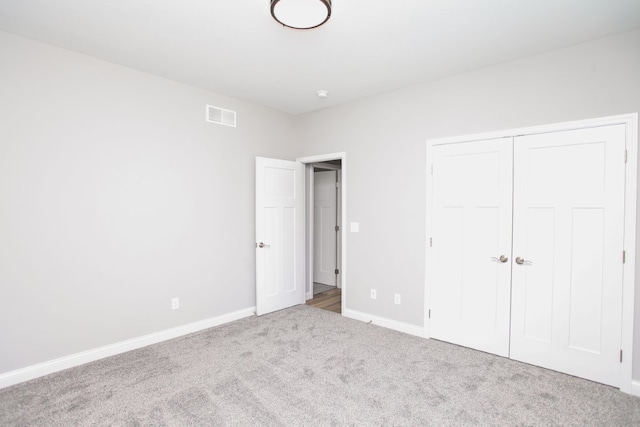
[
  {"x": 322, "y": 158},
  {"x": 34, "y": 371},
  {"x": 406, "y": 328},
  {"x": 627, "y": 384},
  {"x": 342, "y": 156},
  {"x": 635, "y": 388},
  {"x": 340, "y": 230},
  {"x": 428, "y": 236},
  {"x": 309, "y": 234},
  {"x": 532, "y": 130},
  {"x": 629, "y": 267}
]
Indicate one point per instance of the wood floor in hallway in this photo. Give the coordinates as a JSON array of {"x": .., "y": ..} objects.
[{"x": 330, "y": 300}]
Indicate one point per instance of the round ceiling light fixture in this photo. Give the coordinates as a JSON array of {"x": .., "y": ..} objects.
[{"x": 301, "y": 14}]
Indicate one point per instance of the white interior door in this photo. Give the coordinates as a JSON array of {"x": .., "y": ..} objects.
[
  {"x": 279, "y": 234},
  {"x": 325, "y": 216},
  {"x": 568, "y": 229},
  {"x": 471, "y": 244}
]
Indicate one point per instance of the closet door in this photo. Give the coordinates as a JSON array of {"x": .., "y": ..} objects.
[
  {"x": 567, "y": 249},
  {"x": 471, "y": 244}
]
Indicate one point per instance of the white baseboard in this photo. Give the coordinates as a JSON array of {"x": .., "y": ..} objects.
[
  {"x": 30, "y": 372},
  {"x": 635, "y": 388},
  {"x": 418, "y": 331}
]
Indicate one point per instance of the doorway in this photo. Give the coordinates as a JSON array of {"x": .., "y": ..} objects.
[
  {"x": 284, "y": 231},
  {"x": 325, "y": 214}
]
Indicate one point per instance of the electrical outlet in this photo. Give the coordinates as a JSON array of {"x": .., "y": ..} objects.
[
  {"x": 175, "y": 303},
  {"x": 373, "y": 294},
  {"x": 397, "y": 299}
]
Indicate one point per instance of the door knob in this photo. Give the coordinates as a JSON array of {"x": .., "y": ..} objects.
[
  {"x": 262, "y": 245},
  {"x": 503, "y": 258},
  {"x": 521, "y": 261}
]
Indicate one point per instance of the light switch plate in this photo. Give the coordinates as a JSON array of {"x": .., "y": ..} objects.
[{"x": 354, "y": 227}]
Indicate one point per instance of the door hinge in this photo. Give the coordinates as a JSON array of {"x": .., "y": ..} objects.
[
  {"x": 337, "y": 271},
  {"x": 337, "y": 228},
  {"x": 430, "y": 242},
  {"x": 625, "y": 156},
  {"x": 624, "y": 256},
  {"x": 620, "y": 356},
  {"x": 429, "y": 313},
  {"x": 337, "y": 184}
]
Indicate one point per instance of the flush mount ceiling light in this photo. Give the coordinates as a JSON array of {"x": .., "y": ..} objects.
[{"x": 301, "y": 14}]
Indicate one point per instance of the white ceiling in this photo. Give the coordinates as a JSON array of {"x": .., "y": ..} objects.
[{"x": 368, "y": 47}]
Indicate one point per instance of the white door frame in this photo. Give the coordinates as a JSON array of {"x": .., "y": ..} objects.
[
  {"x": 629, "y": 267},
  {"x": 308, "y": 161}
]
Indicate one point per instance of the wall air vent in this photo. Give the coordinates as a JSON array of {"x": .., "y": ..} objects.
[{"x": 221, "y": 116}]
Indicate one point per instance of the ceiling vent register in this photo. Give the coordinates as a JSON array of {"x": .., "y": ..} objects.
[{"x": 221, "y": 116}]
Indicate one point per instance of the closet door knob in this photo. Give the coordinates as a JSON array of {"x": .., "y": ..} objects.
[
  {"x": 521, "y": 261},
  {"x": 502, "y": 259}
]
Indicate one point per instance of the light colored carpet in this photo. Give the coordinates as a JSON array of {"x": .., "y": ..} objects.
[{"x": 306, "y": 366}]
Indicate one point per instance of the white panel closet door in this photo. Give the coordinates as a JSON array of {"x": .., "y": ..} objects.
[
  {"x": 324, "y": 233},
  {"x": 568, "y": 219},
  {"x": 471, "y": 223}
]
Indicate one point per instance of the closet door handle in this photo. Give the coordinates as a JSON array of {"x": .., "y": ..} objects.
[
  {"x": 521, "y": 261},
  {"x": 502, "y": 259}
]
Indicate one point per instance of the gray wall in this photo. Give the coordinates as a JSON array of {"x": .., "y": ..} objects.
[
  {"x": 384, "y": 138},
  {"x": 116, "y": 196}
]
